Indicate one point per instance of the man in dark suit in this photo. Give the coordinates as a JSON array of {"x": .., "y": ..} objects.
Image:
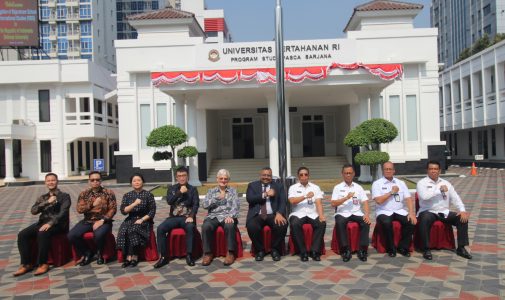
[{"x": 267, "y": 206}]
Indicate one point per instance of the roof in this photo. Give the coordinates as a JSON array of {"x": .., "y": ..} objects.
[
  {"x": 381, "y": 5},
  {"x": 387, "y": 5},
  {"x": 165, "y": 13}
]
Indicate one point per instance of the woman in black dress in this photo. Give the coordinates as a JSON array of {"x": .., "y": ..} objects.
[{"x": 134, "y": 232}]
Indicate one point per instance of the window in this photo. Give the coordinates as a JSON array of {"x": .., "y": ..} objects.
[
  {"x": 470, "y": 146},
  {"x": 98, "y": 106},
  {"x": 44, "y": 29},
  {"x": 493, "y": 142},
  {"x": 161, "y": 114},
  {"x": 154, "y": 5},
  {"x": 487, "y": 29},
  {"x": 455, "y": 144},
  {"x": 85, "y": 28},
  {"x": 145, "y": 124},
  {"x": 61, "y": 12},
  {"x": 62, "y": 29},
  {"x": 45, "y": 156},
  {"x": 62, "y": 45},
  {"x": 46, "y": 45},
  {"x": 88, "y": 155},
  {"x": 85, "y": 11},
  {"x": 86, "y": 45},
  {"x": 95, "y": 151},
  {"x": 487, "y": 9},
  {"x": 72, "y": 157},
  {"x": 45, "y": 12},
  {"x": 395, "y": 115},
  {"x": 43, "y": 1},
  {"x": 44, "y": 106},
  {"x": 109, "y": 109},
  {"x": 411, "y": 118}
]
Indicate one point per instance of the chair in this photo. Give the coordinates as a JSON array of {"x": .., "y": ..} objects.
[
  {"x": 109, "y": 249},
  {"x": 149, "y": 253},
  {"x": 60, "y": 251},
  {"x": 220, "y": 247},
  {"x": 353, "y": 232},
  {"x": 267, "y": 241},
  {"x": 177, "y": 243},
  {"x": 378, "y": 241},
  {"x": 441, "y": 234},
  {"x": 307, "y": 234}
]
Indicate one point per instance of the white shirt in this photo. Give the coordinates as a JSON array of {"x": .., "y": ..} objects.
[
  {"x": 351, "y": 206},
  {"x": 431, "y": 199},
  {"x": 395, "y": 203},
  {"x": 303, "y": 208},
  {"x": 268, "y": 203}
]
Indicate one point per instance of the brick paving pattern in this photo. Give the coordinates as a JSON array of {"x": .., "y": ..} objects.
[{"x": 446, "y": 277}]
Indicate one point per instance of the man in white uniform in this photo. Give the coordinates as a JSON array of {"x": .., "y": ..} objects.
[
  {"x": 307, "y": 208},
  {"x": 392, "y": 195},
  {"x": 347, "y": 198},
  {"x": 435, "y": 195}
]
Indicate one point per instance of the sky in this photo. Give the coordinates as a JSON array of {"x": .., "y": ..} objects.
[{"x": 253, "y": 20}]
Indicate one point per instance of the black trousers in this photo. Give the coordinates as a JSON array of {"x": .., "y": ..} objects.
[
  {"x": 386, "y": 223},
  {"x": 343, "y": 239},
  {"x": 27, "y": 235},
  {"x": 163, "y": 234},
  {"x": 426, "y": 220},
  {"x": 255, "y": 230},
  {"x": 318, "y": 228},
  {"x": 75, "y": 236},
  {"x": 209, "y": 227}
]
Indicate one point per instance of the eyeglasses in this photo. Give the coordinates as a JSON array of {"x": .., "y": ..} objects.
[
  {"x": 94, "y": 179},
  {"x": 303, "y": 175}
]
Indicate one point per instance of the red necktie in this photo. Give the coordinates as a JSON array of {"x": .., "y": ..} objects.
[{"x": 263, "y": 210}]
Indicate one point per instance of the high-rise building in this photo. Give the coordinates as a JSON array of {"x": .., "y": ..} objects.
[
  {"x": 77, "y": 29},
  {"x": 462, "y": 22},
  {"x": 125, "y": 8}
]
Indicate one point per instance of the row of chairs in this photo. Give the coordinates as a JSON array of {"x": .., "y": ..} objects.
[{"x": 442, "y": 237}]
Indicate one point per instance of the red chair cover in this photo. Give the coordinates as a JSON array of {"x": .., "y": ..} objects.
[
  {"x": 267, "y": 241},
  {"x": 352, "y": 234},
  {"x": 109, "y": 249},
  {"x": 220, "y": 248},
  {"x": 177, "y": 243},
  {"x": 60, "y": 252},
  {"x": 307, "y": 234},
  {"x": 149, "y": 253},
  {"x": 441, "y": 236},
  {"x": 378, "y": 240}
]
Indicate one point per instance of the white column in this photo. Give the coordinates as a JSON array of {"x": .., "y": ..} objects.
[
  {"x": 288, "y": 137},
  {"x": 191, "y": 130},
  {"x": 9, "y": 162},
  {"x": 273, "y": 143}
]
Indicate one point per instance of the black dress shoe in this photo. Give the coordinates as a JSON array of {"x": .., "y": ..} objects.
[
  {"x": 315, "y": 256},
  {"x": 392, "y": 253},
  {"x": 86, "y": 260},
  {"x": 461, "y": 251},
  {"x": 189, "y": 260},
  {"x": 304, "y": 257},
  {"x": 100, "y": 260},
  {"x": 161, "y": 262},
  {"x": 346, "y": 255},
  {"x": 275, "y": 255},
  {"x": 404, "y": 252},
  {"x": 362, "y": 255},
  {"x": 134, "y": 263},
  {"x": 125, "y": 264},
  {"x": 427, "y": 255},
  {"x": 259, "y": 256}
]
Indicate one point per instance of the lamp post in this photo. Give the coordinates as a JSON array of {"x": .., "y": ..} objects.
[{"x": 281, "y": 105}]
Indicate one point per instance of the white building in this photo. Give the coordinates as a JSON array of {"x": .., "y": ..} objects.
[
  {"x": 56, "y": 116},
  {"x": 472, "y": 107},
  {"x": 223, "y": 94}
]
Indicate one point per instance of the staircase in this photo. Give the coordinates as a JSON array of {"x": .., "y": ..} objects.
[{"x": 246, "y": 170}]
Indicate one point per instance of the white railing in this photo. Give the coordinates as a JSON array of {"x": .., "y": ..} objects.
[
  {"x": 88, "y": 118},
  {"x": 491, "y": 98}
]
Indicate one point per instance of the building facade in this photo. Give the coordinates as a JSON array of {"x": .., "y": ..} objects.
[
  {"x": 125, "y": 8},
  {"x": 461, "y": 23},
  {"x": 223, "y": 94},
  {"x": 472, "y": 108}
]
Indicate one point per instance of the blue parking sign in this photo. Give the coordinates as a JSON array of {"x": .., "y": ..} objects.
[{"x": 99, "y": 165}]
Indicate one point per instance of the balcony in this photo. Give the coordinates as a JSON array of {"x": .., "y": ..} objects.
[
  {"x": 73, "y": 18},
  {"x": 87, "y": 124},
  {"x": 72, "y": 2},
  {"x": 74, "y": 51},
  {"x": 51, "y": 3},
  {"x": 19, "y": 129},
  {"x": 74, "y": 34}
]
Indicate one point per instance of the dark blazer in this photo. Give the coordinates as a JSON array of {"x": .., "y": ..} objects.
[
  {"x": 255, "y": 200},
  {"x": 190, "y": 199},
  {"x": 56, "y": 213}
]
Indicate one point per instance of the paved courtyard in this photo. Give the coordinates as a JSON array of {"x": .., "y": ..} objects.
[{"x": 446, "y": 277}]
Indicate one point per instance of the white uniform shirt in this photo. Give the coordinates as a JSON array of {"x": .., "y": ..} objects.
[
  {"x": 351, "y": 206},
  {"x": 395, "y": 203},
  {"x": 268, "y": 203},
  {"x": 303, "y": 208},
  {"x": 431, "y": 199}
]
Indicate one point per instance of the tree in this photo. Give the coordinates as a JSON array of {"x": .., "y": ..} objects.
[
  {"x": 170, "y": 136},
  {"x": 370, "y": 134}
]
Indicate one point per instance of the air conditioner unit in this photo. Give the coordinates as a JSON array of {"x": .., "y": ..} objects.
[{"x": 18, "y": 122}]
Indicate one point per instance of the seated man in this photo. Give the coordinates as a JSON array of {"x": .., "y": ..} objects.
[
  {"x": 347, "y": 198},
  {"x": 267, "y": 206},
  {"x": 306, "y": 200},
  {"x": 54, "y": 218},
  {"x": 184, "y": 202},
  {"x": 435, "y": 196},
  {"x": 223, "y": 207},
  {"x": 99, "y": 206},
  {"x": 391, "y": 195}
]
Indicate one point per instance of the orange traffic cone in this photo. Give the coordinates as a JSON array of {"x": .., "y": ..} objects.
[{"x": 474, "y": 170}]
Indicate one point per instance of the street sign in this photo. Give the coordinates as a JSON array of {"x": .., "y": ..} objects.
[
  {"x": 479, "y": 157},
  {"x": 99, "y": 165}
]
